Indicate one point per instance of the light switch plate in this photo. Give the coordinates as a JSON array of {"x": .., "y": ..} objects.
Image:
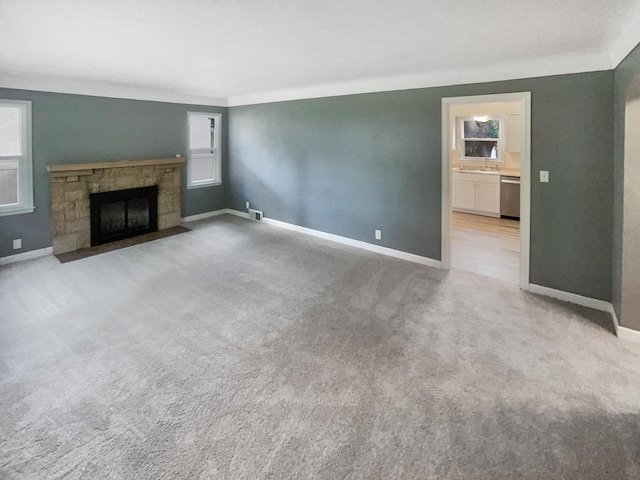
[
  {"x": 378, "y": 235},
  {"x": 544, "y": 176}
]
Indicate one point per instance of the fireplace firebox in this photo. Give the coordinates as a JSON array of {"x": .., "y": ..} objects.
[{"x": 123, "y": 213}]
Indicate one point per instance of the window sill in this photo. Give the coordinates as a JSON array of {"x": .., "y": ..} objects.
[
  {"x": 214, "y": 184},
  {"x": 5, "y": 212}
]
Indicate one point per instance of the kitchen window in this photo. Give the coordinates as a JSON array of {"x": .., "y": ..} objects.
[
  {"x": 16, "y": 167},
  {"x": 481, "y": 138},
  {"x": 204, "y": 164}
]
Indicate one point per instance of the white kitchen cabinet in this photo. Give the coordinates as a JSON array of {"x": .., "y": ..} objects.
[
  {"x": 513, "y": 133},
  {"x": 464, "y": 194},
  {"x": 488, "y": 197},
  {"x": 477, "y": 193}
]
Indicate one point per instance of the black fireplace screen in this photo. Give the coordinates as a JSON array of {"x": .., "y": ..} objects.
[{"x": 123, "y": 214}]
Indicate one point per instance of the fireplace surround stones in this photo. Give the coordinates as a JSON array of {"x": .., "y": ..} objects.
[{"x": 72, "y": 184}]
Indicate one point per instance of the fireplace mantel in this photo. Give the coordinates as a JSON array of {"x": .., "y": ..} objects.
[
  {"x": 72, "y": 184},
  {"x": 78, "y": 167}
]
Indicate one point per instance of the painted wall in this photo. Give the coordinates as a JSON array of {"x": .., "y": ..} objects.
[
  {"x": 348, "y": 165},
  {"x": 626, "y": 232},
  {"x": 80, "y": 129}
]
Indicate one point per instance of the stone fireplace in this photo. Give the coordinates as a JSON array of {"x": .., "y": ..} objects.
[{"x": 72, "y": 185}]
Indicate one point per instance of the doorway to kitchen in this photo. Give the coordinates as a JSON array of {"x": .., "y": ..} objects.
[{"x": 486, "y": 185}]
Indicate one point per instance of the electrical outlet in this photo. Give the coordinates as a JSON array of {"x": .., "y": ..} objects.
[
  {"x": 544, "y": 176},
  {"x": 378, "y": 235},
  {"x": 247, "y": 205},
  {"x": 17, "y": 243}
]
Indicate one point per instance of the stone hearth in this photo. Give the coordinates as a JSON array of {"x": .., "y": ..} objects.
[{"x": 71, "y": 185}]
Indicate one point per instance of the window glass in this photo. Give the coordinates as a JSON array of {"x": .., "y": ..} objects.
[
  {"x": 8, "y": 182},
  {"x": 204, "y": 160},
  {"x": 10, "y": 131},
  {"x": 16, "y": 179},
  {"x": 481, "y": 138},
  {"x": 481, "y": 129},
  {"x": 480, "y": 148},
  {"x": 201, "y": 132}
]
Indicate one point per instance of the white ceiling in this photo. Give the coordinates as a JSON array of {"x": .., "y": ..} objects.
[{"x": 233, "y": 52}]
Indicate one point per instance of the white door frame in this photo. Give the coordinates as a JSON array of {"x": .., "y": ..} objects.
[{"x": 524, "y": 98}]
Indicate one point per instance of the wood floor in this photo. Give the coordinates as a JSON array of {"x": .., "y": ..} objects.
[{"x": 486, "y": 246}]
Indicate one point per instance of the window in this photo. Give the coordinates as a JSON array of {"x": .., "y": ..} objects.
[
  {"x": 204, "y": 160},
  {"x": 481, "y": 138},
  {"x": 16, "y": 169}
]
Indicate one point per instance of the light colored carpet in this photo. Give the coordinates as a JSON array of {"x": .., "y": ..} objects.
[{"x": 241, "y": 351}]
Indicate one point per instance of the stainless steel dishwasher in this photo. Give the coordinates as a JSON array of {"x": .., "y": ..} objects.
[{"x": 509, "y": 196}]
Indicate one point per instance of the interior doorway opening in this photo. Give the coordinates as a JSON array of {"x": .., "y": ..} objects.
[
  {"x": 486, "y": 185},
  {"x": 630, "y": 274}
]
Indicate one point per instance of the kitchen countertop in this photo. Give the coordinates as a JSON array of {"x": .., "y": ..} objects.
[{"x": 506, "y": 172}]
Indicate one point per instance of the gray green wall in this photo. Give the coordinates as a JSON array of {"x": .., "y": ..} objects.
[
  {"x": 80, "y": 129},
  {"x": 348, "y": 165},
  {"x": 625, "y": 73}
]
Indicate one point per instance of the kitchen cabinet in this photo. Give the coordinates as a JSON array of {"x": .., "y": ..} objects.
[
  {"x": 464, "y": 194},
  {"x": 513, "y": 133},
  {"x": 477, "y": 193}
]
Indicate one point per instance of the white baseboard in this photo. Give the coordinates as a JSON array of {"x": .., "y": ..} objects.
[
  {"x": 215, "y": 213},
  {"x": 390, "y": 252},
  {"x": 237, "y": 213},
  {"x": 629, "y": 334},
  {"x": 42, "y": 252},
  {"x": 596, "y": 304},
  {"x": 202, "y": 216},
  {"x": 614, "y": 319},
  {"x": 571, "y": 298},
  {"x": 604, "y": 306}
]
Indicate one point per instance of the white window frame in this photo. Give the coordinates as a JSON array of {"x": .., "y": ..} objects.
[
  {"x": 501, "y": 140},
  {"x": 217, "y": 152},
  {"x": 25, "y": 161}
]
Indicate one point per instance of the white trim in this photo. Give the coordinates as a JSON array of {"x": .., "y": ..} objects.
[
  {"x": 629, "y": 334},
  {"x": 526, "y": 68},
  {"x": 215, "y": 213},
  {"x": 215, "y": 152},
  {"x": 24, "y": 160},
  {"x": 525, "y": 173},
  {"x": 213, "y": 184},
  {"x": 74, "y": 86},
  {"x": 623, "y": 332},
  {"x": 501, "y": 141},
  {"x": 390, "y": 252},
  {"x": 202, "y": 216},
  {"x": 16, "y": 211},
  {"x": 594, "y": 303},
  {"x": 602, "y": 305},
  {"x": 614, "y": 319},
  {"x": 525, "y": 189},
  {"x": 237, "y": 213},
  {"x": 42, "y": 252}
]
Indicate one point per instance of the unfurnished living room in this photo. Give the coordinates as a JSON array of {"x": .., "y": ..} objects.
[{"x": 319, "y": 240}]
